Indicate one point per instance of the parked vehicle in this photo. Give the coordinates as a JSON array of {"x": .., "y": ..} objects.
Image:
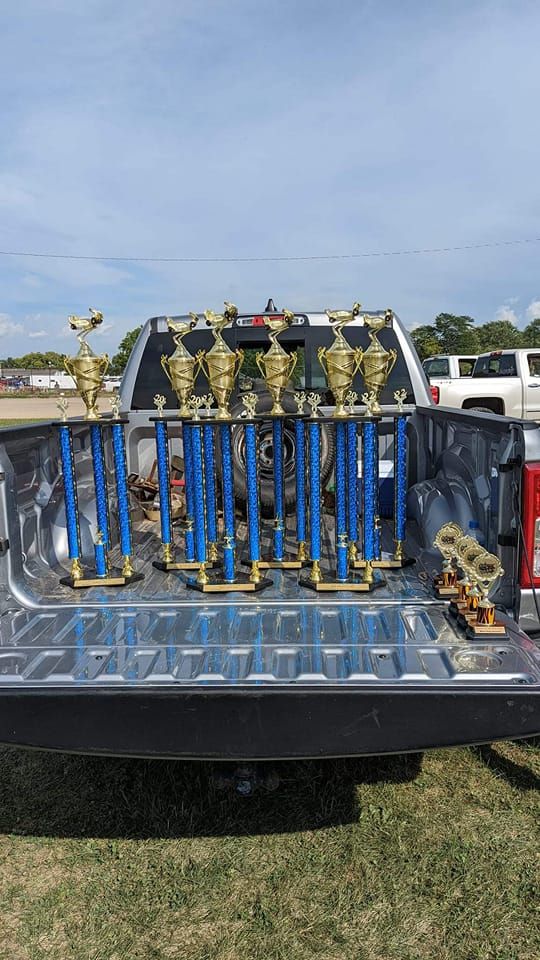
[
  {"x": 444, "y": 368},
  {"x": 502, "y": 381},
  {"x": 156, "y": 671}
]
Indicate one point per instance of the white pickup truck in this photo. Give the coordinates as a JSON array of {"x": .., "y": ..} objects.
[{"x": 502, "y": 381}]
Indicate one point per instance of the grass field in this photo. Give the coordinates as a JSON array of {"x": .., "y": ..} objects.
[{"x": 407, "y": 857}]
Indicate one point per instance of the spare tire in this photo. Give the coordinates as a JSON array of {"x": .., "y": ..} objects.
[{"x": 266, "y": 456}]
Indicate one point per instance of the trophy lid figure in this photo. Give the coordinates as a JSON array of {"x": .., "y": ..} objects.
[
  {"x": 87, "y": 368},
  {"x": 222, "y": 364},
  {"x": 181, "y": 368},
  {"x": 340, "y": 361},
  {"x": 276, "y": 365},
  {"x": 376, "y": 363}
]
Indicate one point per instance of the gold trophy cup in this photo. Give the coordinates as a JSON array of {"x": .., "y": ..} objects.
[
  {"x": 87, "y": 368},
  {"x": 276, "y": 365},
  {"x": 340, "y": 362},
  {"x": 181, "y": 368},
  {"x": 376, "y": 363},
  {"x": 446, "y": 542},
  {"x": 221, "y": 364}
]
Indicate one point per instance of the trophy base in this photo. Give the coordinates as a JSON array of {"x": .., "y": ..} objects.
[
  {"x": 288, "y": 563},
  {"x": 114, "y": 579},
  {"x": 476, "y": 631},
  {"x": 238, "y": 585},
  {"x": 387, "y": 562},
  {"x": 445, "y": 592},
  {"x": 466, "y": 618},
  {"x": 352, "y": 584},
  {"x": 167, "y": 566},
  {"x": 457, "y": 607}
]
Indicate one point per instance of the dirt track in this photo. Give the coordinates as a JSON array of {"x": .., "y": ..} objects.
[{"x": 42, "y": 408}]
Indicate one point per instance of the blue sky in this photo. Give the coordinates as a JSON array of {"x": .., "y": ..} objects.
[{"x": 265, "y": 129}]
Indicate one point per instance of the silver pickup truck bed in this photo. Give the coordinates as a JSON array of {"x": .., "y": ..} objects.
[{"x": 155, "y": 670}]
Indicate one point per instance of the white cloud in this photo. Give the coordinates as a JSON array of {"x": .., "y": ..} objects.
[
  {"x": 533, "y": 310},
  {"x": 504, "y": 312},
  {"x": 7, "y": 326},
  {"x": 34, "y": 334},
  {"x": 103, "y": 329}
]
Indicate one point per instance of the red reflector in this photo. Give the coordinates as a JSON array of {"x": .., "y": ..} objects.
[
  {"x": 435, "y": 393},
  {"x": 530, "y": 516}
]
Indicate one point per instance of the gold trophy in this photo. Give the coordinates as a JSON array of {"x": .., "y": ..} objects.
[
  {"x": 446, "y": 542},
  {"x": 276, "y": 365},
  {"x": 181, "y": 368},
  {"x": 487, "y": 569},
  {"x": 376, "y": 363},
  {"x": 464, "y": 585},
  {"x": 222, "y": 364},
  {"x": 87, "y": 368},
  {"x": 340, "y": 362}
]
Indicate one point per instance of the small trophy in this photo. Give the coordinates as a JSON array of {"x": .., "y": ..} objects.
[
  {"x": 446, "y": 542},
  {"x": 376, "y": 363},
  {"x": 487, "y": 570},
  {"x": 221, "y": 363},
  {"x": 468, "y": 556},
  {"x": 459, "y": 604},
  {"x": 181, "y": 368},
  {"x": 340, "y": 362},
  {"x": 276, "y": 365},
  {"x": 87, "y": 368}
]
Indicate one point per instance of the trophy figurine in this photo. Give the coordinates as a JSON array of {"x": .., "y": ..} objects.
[
  {"x": 276, "y": 365},
  {"x": 446, "y": 542},
  {"x": 340, "y": 362},
  {"x": 222, "y": 364},
  {"x": 181, "y": 368},
  {"x": 487, "y": 569},
  {"x": 87, "y": 368},
  {"x": 376, "y": 363}
]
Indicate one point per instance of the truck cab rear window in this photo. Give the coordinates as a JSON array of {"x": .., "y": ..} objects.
[
  {"x": 151, "y": 378},
  {"x": 437, "y": 368},
  {"x": 503, "y": 365}
]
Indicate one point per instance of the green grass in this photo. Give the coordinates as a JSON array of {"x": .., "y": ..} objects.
[
  {"x": 406, "y": 857},
  {"x": 15, "y": 423}
]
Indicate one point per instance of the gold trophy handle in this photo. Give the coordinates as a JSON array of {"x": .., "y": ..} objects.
[
  {"x": 321, "y": 355},
  {"x": 239, "y": 361},
  {"x": 165, "y": 365},
  {"x": 292, "y": 363},
  {"x": 259, "y": 361},
  {"x": 68, "y": 366},
  {"x": 391, "y": 362},
  {"x": 105, "y": 362},
  {"x": 358, "y": 356}
]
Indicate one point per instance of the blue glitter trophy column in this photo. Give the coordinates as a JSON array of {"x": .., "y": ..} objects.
[
  {"x": 300, "y": 476},
  {"x": 70, "y": 496},
  {"x": 370, "y": 456},
  {"x": 277, "y": 367},
  {"x": 381, "y": 558},
  {"x": 168, "y": 561},
  {"x": 229, "y": 580},
  {"x": 199, "y": 519},
  {"x": 122, "y": 493},
  {"x": 400, "y": 481},
  {"x": 340, "y": 579}
]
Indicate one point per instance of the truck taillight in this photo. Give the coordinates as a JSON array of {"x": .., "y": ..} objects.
[
  {"x": 435, "y": 393},
  {"x": 530, "y": 559}
]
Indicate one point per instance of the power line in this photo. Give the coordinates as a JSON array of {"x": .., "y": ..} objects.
[{"x": 329, "y": 256}]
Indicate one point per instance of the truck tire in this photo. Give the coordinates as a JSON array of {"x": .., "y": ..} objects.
[
  {"x": 481, "y": 409},
  {"x": 266, "y": 485}
]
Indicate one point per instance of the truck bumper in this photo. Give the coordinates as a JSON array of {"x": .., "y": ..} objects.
[{"x": 248, "y": 723}]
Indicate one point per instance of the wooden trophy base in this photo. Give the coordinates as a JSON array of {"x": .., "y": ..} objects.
[
  {"x": 115, "y": 578},
  {"x": 166, "y": 566},
  {"x": 352, "y": 584},
  {"x": 478, "y": 631},
  {"x": 238, "y": 585}
]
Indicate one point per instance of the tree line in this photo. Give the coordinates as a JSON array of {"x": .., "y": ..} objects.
[
  {"x": 39, "y": 360},
  {"x": 461, "y": 334}
]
